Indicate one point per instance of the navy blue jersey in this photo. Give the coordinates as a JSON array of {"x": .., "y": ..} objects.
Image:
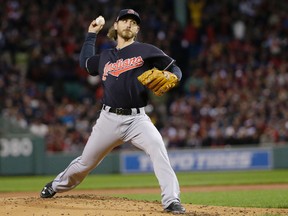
[{"x": 119, "y": 70}]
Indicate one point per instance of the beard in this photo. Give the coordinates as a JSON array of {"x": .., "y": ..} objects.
[{"x": 127, "y": 34}]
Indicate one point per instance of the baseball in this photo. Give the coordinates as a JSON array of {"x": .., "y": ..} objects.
[{"x": 100, "y": 20}]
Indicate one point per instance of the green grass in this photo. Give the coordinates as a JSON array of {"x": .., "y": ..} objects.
[
  {"x": 188, "y": 179},
  {"x": 232, "y": 178},
  {"x": 32, "y": 183},
  {"x": 253, "y": 198}
]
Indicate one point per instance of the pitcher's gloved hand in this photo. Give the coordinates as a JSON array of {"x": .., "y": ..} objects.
[{"x": 158, "y": 81}]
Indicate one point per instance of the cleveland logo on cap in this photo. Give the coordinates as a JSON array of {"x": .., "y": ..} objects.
[{"x": 129, "y": 12}]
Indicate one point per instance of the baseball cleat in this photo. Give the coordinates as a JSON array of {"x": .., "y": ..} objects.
[
  {"x": 175, "y": 208},
  {"x": 47, "y": 191}
]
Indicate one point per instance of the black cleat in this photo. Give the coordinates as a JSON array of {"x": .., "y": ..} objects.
[
  {"x": 175, "y": 208},
  {"x": 47, "y": 191}
]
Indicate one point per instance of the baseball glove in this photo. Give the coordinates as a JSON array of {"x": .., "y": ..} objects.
[{"x": 158, "y": 81}]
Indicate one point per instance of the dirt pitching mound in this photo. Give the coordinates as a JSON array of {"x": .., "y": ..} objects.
[{"x": 90, "y": 203}]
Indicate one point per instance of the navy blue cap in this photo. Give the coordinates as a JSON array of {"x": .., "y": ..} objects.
[{"x": 129, "y": 13}]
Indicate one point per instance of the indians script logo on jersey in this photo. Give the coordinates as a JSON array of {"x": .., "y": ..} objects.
[{"x": 121, "y": 66}]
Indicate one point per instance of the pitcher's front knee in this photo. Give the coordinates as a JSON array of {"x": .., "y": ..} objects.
[{"x": 156, "y": 148}]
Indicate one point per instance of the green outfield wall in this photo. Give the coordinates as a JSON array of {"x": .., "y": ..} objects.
[
  {"x": 23, "y": 154},
  {"x": 55, "y": 163},
  {"x": 280, "y": 157}
]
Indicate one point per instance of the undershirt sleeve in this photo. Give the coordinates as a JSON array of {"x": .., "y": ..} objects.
[
  {"x": 87, "y": 54},
  {"x": 175, "y": 70}
]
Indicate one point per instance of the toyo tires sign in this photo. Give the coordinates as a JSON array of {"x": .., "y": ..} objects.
[
  {"x": 202, "y": 160},
  {"x": 16, "y": 147}
]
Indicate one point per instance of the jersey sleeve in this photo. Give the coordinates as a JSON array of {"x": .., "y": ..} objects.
[
  {"x": 157, "y": 57},
  {"x": 92, "y": 64},
  {"x": 162, "y": 62}
]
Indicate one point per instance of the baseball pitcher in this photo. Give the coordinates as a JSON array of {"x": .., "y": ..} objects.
[{"x": 128, "y": 72}]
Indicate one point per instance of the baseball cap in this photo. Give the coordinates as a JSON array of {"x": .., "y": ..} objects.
[{"x": 129, "y": 12}]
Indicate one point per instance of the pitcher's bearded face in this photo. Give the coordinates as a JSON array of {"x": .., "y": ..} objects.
[
  {"x": 127, "y": 28},
  {"x": 127, "y": 34}
]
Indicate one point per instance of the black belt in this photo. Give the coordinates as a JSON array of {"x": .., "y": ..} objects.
[{"x": 121, "y": 111}]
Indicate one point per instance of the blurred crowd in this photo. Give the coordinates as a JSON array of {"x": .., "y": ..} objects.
[{"x": 233, "y": 55}]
